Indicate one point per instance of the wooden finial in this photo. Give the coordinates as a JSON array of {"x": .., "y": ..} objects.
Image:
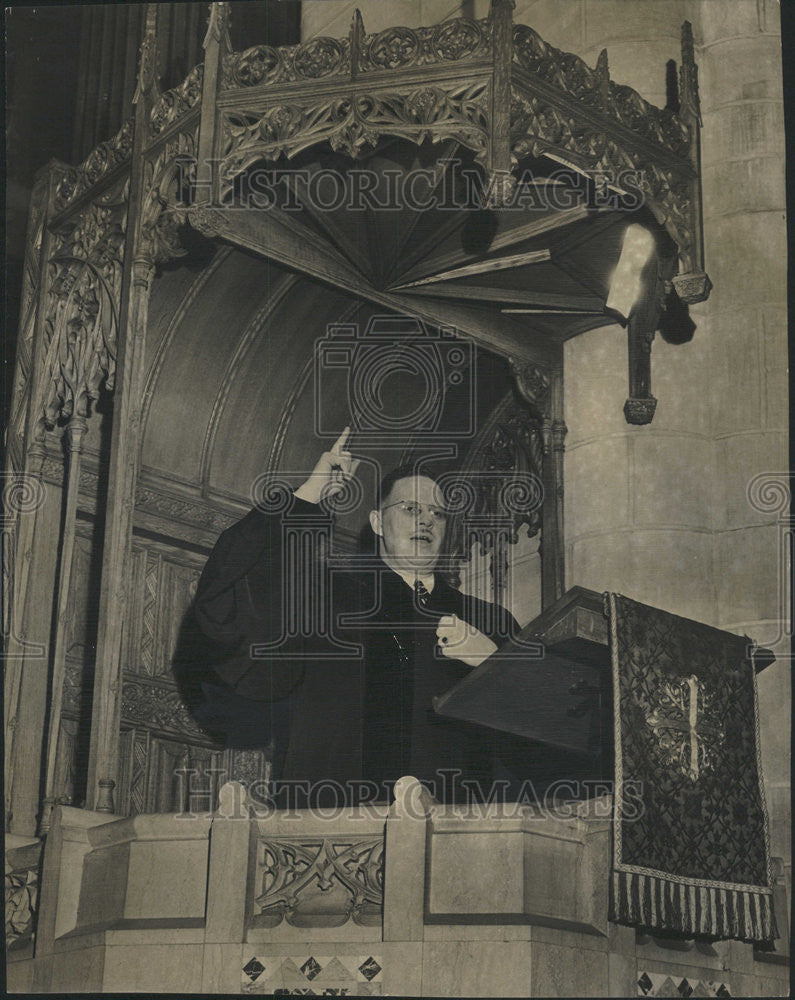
[
  {"x": 218, "y": 26},
  {"x": 356, "y": 39},
  {"x": 148, "y": 83},
  {"x": 603, "y": 75}
]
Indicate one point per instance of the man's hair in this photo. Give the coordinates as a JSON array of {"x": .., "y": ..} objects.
[{"x": 395, "y": 476}]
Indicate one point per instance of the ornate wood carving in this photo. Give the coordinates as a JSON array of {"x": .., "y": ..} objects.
[
  {"x": 173, "y": 163},
  {"x": 450, "y": 109},
  {"x": 502, "y": 487},
  {"x": 166, "y": 762},
  {"x": 192, "y": 512},
  {"x": 529, "y": 98},
  {"x": 147, "y": 85},
  {"x": 644, "y": 318},
  {"x": 173, "y": 104},
  {"x": 98, "y": 164},
  {"x": 459, "y": 40},
  {"x": 319, "y": 883},
  {"x": 542, "y": 391},
  {"x": 80, "y": 328},
  {"x": 150, "y": 238},
  {"x": 218, "y": 25},
  {"x": 158, "y": 707},
  {"x": 153, "y": 500}
]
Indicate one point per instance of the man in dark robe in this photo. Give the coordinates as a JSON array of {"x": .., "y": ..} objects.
[{"x": 347, "y": 698}]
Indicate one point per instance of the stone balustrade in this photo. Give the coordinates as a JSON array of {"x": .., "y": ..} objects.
[{"x": 413, "y": 898}]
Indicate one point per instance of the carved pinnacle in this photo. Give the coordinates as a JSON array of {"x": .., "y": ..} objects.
[
  {"x": 147, "y": 63},
  {"x": 356, "y": 38},
  {"x": 603, "y": 74},
  {"x": 218, "y": 25}
]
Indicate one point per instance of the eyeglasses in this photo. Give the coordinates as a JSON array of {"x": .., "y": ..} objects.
[{"x": 414, "y": 510}]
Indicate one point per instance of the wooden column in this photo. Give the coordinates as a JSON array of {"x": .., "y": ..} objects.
[
  {"x": 500, "y": 180},
  {"x": 74, "y": 438},
  {"x": 136, "y": 283},
  {"x": 216, "y": 45}
]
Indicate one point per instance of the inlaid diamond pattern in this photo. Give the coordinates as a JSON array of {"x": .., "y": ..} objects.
[
  {"x": 659, "y": 984},
  {"x": 313, "y": 975}
]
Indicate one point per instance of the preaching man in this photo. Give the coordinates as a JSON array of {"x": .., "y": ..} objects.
[{"x": 351, "y": 702}]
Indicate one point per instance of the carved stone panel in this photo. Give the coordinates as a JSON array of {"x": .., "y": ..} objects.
[{"x": 323, "y": 882}]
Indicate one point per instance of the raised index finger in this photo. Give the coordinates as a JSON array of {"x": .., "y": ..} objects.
[{"x": 341, "y": 441}]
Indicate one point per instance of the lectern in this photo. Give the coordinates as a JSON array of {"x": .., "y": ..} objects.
[{"x": 557, "y": 696}]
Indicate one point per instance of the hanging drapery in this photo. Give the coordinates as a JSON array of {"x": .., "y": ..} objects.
[{"x": 690, "y": 839}]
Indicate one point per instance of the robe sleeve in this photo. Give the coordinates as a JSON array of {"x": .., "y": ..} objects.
[{"x": 239, "y": 604}]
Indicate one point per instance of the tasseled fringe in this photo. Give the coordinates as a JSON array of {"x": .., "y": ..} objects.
[{"x": 693, "y": 910}]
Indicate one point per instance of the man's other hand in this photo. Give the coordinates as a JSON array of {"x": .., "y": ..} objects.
[
  {"x": 334, "y": 468},
  {"x": 458, "y": 640}
]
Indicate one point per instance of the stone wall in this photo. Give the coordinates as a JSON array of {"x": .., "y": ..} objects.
[{"x": 662, "y": 513}]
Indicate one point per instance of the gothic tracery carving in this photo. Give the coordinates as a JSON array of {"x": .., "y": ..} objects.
[
  {"x": 165, "y": 176},
  {"x": 292, "y": 874},
  {"x": 457, "y": 40},
  {"x": 173, "y": 104},
  {"x": 81, "y": 323},
  {"x": 455, "y": 110},
  {"x": 98, "y": 163}
]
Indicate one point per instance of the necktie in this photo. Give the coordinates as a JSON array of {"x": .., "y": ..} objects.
[{"x": 422, "y": 593}]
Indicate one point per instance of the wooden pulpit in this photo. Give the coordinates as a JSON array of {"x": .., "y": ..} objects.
[{"x": 557, "y": 696}]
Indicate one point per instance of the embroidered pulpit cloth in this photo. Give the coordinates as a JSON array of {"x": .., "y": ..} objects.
[{"x": 690, "y": 831}]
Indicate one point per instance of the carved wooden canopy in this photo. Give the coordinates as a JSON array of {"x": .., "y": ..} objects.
[{"x": 467, "y": 173}]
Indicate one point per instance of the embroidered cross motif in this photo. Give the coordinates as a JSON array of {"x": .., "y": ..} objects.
[{"x": 689, "y": 738}]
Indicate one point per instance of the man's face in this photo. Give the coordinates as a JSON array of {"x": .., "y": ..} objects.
[{"x": 411, "y": 523}]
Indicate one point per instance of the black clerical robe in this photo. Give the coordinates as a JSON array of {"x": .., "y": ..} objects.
[{"x": 335, "y": 714}]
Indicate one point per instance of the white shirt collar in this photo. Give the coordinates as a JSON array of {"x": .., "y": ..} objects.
[{"x": 428, "y": 580}]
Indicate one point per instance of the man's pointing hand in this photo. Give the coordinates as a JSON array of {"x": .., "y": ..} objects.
[{"x": 333, "y": 469}]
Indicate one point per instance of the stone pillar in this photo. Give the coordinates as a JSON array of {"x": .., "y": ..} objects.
[
  {"x": 662, "y": 512},
  {"x": 639, "y": 500},
  {"x": 745, "y": 326}
]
